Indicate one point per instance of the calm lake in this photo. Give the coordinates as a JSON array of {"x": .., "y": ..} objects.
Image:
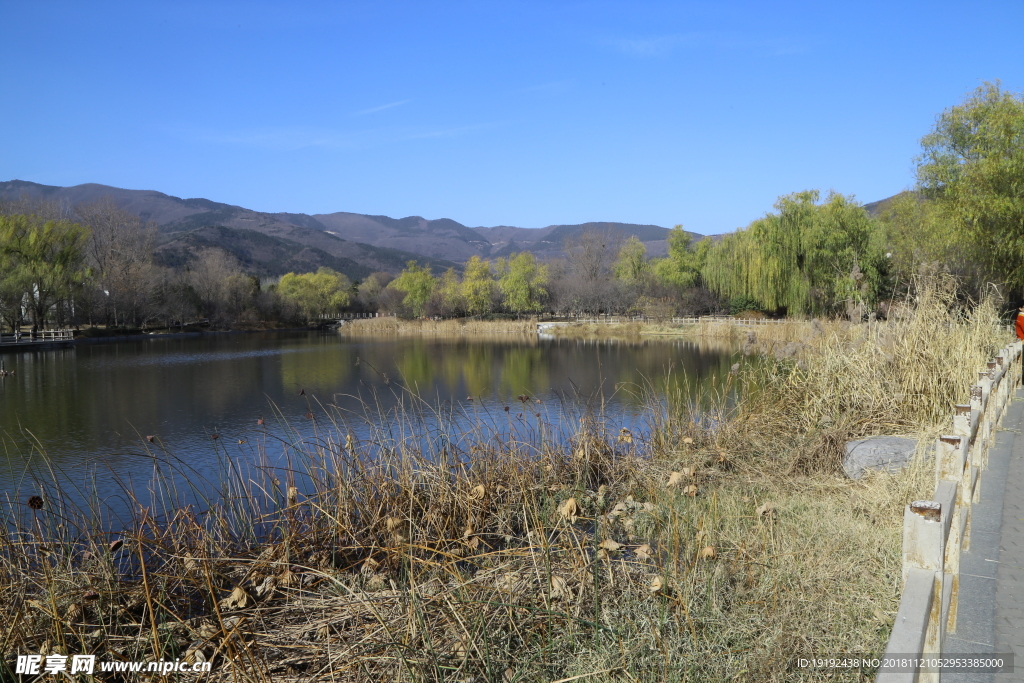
[{"x": 89, "y": 408}]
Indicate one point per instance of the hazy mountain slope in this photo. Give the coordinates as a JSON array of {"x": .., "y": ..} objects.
[{"x": 442, "y": 238}]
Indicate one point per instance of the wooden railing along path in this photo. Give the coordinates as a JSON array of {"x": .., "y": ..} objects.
[
  {"x": 936, "y": 531},
  {"x": 50, "y": 336}
]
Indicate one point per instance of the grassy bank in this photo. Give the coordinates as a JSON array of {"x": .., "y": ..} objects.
[
  {"x": 708, "y": 547},
  {"x": 736, "y": 330},
  {"x": 459, "y": 326}
]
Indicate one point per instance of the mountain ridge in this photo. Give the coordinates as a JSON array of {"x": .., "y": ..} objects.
[{"x": 358, "y": 243}]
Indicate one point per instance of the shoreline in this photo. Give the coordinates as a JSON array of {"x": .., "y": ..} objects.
[{"x": 142, "y": 336}]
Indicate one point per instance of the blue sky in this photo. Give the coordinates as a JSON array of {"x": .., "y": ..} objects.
[{"x": 491, "y": 113}]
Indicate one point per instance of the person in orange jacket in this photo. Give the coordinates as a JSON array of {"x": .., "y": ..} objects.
[{"x": 1020, "y": 330}]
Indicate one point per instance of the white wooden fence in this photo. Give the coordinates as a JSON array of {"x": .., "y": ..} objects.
[
  {"x": 7, "y": 338},
  {"x": 936, "y": 531}
]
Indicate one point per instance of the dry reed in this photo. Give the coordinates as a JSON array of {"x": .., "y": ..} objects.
[{"x": 457, "y": 326}]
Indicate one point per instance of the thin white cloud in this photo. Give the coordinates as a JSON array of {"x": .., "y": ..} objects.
[
  {"x": 374, "y": 110},
  {"x": 290, "y": 139},
  {"x": 656, "y": 46}
]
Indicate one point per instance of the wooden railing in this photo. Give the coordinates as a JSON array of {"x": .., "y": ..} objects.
[
  {"x": 7, "y": 338},
  {"x": 936, "y": 531},
  {"x": 348, "y": 316}
]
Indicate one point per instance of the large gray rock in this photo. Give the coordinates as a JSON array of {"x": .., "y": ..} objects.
[{"x": 889, "y": 453}]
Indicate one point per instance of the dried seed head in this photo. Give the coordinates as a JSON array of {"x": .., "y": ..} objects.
[{"x": 35, "y": 502}]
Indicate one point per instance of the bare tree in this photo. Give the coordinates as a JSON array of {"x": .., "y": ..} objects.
[
  {"x": 209, "y": 275},
  {"x": 584, "y": 284},
  {"x": 120, "y": 252},
  {"x": 592, "y": 254}
]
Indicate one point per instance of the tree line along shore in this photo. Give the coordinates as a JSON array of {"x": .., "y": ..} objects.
[{"x": 811, "y": 255}]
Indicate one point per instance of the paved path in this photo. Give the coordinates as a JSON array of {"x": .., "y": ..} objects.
[{"x": 991, "y": 605}]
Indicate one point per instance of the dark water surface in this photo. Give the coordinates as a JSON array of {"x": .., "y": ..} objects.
[{"x": 90, "y": 407}]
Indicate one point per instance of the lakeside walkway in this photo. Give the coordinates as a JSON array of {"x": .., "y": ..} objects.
[{"x": 991, "y": 604}]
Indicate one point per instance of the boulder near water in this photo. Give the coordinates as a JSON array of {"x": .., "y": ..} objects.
[{"x": 889, "y": 453}]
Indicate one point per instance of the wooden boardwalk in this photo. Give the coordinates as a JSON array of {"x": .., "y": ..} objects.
[
  {"x": 991, "y": 618},
  {"x": 963, "y": 550}
]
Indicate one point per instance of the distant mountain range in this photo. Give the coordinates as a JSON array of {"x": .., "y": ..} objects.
[{"x": 356, "y": 244}]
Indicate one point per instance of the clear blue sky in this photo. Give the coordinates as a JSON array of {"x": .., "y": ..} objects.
[{"x": 515, "y": 113}]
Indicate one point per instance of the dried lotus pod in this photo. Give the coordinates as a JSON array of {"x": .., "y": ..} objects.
[{"x": 570, "y": 509}]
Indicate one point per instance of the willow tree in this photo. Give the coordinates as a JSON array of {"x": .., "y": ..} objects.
[
  {"x": 681, "y": 268},
  {"x": 321, "y": 293},
  {"x": 478, "y": 286},
  {"x": 42, "y": 261},
  {"x": 523, "y": 283},
  {"x": 972, "y": 165},
  {"x": 805, "y": 258},
  {"x": 632, "y": 265},
  {"x": 449, "y": 293},
  {"x": 417, "y": 284}
]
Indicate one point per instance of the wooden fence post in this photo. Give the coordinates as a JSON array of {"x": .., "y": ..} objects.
[
  {"x": 918, "y": 626},
  {"x": 950, "y": 462}
]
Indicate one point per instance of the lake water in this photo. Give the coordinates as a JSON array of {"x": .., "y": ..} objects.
[{"x": 90, "y": 407}]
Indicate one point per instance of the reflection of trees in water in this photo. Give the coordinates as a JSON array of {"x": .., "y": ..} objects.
[
  {"x": 323, "y": 370},
  {"x": 77, "y": 401},
  {"x": 479, "y": 369}
]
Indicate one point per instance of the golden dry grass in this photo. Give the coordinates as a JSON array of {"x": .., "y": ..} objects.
[{"x": 458, "y": 326}]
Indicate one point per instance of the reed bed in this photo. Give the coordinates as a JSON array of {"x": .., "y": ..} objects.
[
  {"x": 458, "y": 326},
  {"x": 715, "y": 544},
  {"x": 734, "y": 331}
]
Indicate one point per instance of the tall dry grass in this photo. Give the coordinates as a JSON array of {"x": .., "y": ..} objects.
[
  {"x": 458, "y": 326},
  {"x": 734, "y": 331},
  {"x": 713, "y": 546}
]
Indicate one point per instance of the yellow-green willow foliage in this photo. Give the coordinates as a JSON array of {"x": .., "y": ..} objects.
[
  {"x": 805, "y": 258},
  {"x": 478, "y": 286},
  {"x": 523, "y": 282},
  {"x": 685, "y": 261},
  {"x": 972, "y": 166},
  {"x": 321, "y": 293}
]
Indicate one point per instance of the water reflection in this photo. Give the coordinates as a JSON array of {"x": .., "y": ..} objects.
[{"x": 91, "y": 405}]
